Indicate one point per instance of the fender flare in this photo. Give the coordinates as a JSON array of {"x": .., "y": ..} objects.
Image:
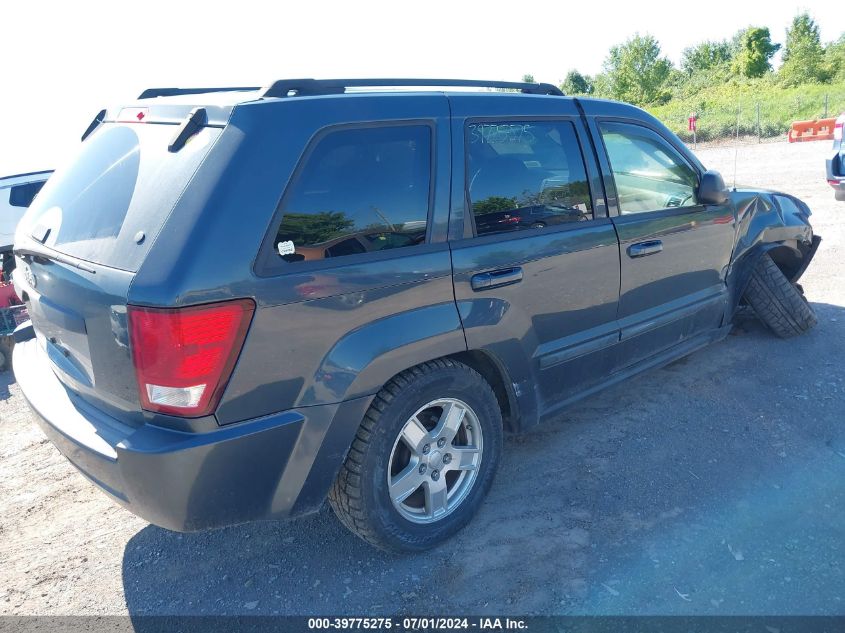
[{"x": 363, "y": 361}]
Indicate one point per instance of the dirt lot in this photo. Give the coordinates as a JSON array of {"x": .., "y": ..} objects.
[{"x": 713, "y": 486}]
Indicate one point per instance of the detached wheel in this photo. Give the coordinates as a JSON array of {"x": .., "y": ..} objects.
[
  {"x": 423, "y": 458},
  {"x": 777, "y": 302}
]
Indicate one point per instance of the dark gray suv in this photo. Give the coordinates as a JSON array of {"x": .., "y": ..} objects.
[{"x": 244, "y": 301}]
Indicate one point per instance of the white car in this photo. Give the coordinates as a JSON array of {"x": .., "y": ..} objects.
[{"x": 16, "y": 194}]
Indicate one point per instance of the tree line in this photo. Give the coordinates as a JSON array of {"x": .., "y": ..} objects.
[{"x": 636, "y": 71}]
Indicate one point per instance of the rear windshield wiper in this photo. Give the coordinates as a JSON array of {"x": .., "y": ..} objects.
[{"x": 51, "y": 255}]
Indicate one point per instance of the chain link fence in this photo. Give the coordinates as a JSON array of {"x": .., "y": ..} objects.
[{"x": 750, "y": 121}]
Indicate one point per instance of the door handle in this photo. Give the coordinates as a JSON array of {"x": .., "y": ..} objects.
[
  {"x": 641, "y": 249},
  {"x": 496, "y": 278}
]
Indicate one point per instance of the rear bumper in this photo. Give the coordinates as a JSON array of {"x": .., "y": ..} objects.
[{"x": 273, "y": 467}]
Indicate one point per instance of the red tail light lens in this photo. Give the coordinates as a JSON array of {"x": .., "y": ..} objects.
[{"x": 183, "y": 357}]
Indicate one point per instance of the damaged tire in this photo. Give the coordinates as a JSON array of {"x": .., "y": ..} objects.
[{"x": 777, "y": 302}]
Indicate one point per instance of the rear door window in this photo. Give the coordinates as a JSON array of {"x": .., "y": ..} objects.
[
  {"x": 360, "y": 190},
  {"x": 525, "y": 175},
  {"x": 108, "y": 205}
]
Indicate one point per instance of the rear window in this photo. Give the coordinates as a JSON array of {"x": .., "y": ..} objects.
[{"x": 121, "y": 186}]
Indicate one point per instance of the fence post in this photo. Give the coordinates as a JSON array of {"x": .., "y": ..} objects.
[
  {"x": 759, "y": 130},
  {"x": 825, "y": 107}
]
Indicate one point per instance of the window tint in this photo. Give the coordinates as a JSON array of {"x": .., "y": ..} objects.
[
  {"x": 360, "y": 190},
  {"x": 523, "y": 175},
  {"x": 23, "y": 195},
  {"x": 649, "y": 174},
  {"x": 122, "y": 181}
]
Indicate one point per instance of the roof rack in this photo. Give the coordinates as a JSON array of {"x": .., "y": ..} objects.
[
  {"x": 309, "y": 87},
  {"x": 151, "y": 93}
]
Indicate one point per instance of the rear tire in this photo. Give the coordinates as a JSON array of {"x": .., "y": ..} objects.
[
  {"x": 839, "y": 195},
  {"x": 423, "y": 459},
  {"x": 777, "y": 302}
]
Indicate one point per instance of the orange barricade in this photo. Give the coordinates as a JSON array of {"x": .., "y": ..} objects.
[{"x": 816, "y": 130}]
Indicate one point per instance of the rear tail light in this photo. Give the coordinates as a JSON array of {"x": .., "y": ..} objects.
[{"x": 184, "y": 357}]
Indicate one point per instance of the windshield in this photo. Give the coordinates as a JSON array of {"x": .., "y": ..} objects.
[{"x": 110, "y": 202}]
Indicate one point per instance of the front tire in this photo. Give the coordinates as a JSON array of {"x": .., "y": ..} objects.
[
  {"x": 777, "y": 302},
  {"x": 423, "y": 459}
]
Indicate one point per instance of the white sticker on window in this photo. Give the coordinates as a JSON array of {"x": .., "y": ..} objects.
[{"x": 286, "y": 248}]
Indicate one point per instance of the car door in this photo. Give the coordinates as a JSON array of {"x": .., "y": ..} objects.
[
  {"x": 536, "y": 264},
  {"x": 674, "y": 251}
]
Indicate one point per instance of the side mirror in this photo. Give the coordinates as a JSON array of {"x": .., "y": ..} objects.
[{"x": 712, "y": 189}]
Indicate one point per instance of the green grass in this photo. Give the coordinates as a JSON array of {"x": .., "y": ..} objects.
[{"x": 720, "y": 107}]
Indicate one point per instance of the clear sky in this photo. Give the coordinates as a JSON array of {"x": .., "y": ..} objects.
[{"x": 64, "y": 61}]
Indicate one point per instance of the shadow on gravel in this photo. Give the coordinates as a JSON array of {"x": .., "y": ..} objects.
[{"x": 711, "y": 486}]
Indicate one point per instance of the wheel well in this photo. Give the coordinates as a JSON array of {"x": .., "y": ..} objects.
[
  {"x": 787, "y": 259},
  {"x": 497, "y": 378}
]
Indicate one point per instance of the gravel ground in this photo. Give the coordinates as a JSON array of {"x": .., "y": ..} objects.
[{"x": 713, "y": 486}]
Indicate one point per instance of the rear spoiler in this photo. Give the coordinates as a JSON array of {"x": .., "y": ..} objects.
[
  {"x": 168, "y": 114},
  {"x": 176, "y": 114}
]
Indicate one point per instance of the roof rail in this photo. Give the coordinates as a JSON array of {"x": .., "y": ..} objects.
[
  {"x": 309, "y": 87},
  {"x": 151, "y": 93}
]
